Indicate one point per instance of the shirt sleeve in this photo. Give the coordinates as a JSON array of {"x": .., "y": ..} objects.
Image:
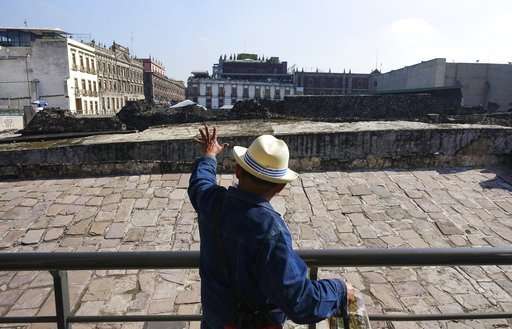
[
  {"x": 203, "y": 183},
  {"x": 282, "y": 276}
]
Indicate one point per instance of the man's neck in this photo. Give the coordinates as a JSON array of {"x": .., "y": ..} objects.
[{"x": 265, "y": 196}]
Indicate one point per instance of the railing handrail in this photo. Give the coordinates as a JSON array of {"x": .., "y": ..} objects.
[
  {"x": 350, "y": 257},
  {"x": 60, "y": 262}
]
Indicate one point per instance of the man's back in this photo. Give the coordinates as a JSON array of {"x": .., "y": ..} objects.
[{"x": 247, "y": 261}]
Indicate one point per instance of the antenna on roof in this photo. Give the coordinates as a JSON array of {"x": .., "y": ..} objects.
[
  {"x": 25, "y": 23},
  {"x": 131, "y": 43},
  {"x": 376, "y": 58}
]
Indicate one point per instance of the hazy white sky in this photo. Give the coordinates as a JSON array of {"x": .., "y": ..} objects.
[{"x": 339, "y": 34}]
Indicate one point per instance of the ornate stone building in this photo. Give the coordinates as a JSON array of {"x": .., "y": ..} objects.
[
  {"x": 158, "y": 87},
  {"x": 241, "y": 77},
  {"x": 120, "y": 77}
]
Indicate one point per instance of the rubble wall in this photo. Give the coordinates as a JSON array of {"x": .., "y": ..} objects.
[
  {"x": 372, "y": 107},
  {"x": 408, "y": 145}
]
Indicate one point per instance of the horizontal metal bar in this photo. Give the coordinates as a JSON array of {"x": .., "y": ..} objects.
[
  {"x": 28, "y": 319},
  {"x": 197, "y": 317},
  {"x": 34, "y": 261},
  {"x": 135, "y": 318},
  {"x": 439, "y": 317}
]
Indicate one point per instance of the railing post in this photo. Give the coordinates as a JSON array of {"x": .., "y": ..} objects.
[
  {"x": 313, "y": 275},
  {"x": 61, "y": 290}
]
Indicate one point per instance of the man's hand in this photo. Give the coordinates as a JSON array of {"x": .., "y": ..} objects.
[
  {"x": 351, "y": 293},
  {"x": 209, "y": 143}
]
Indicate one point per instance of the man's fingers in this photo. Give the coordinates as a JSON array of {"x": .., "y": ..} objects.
[
  {"x": 207, "y": 132},
  {"x": 214, "y": 134},
  {"x": 203, "y": 135}
]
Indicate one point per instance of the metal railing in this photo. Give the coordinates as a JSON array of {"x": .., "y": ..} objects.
[{"x": 60, "y": 262}]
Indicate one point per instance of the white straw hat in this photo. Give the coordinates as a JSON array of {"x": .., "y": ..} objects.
[{"x": 267, "y": 159}]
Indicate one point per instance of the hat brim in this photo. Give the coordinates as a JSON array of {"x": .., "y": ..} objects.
[{"x": 238, "y": 154}]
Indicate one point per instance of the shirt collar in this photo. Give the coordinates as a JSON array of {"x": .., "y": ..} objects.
[{"x": 249, "y": 197}]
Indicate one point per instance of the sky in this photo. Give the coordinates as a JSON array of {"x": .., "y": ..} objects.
[{"x": 358, "y": 35}]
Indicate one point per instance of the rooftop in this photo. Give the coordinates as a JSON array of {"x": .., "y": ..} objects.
[{"x": 38, "y": 31}]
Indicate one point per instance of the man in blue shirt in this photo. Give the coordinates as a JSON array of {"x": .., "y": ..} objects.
[{"x": 250, "y": 275}]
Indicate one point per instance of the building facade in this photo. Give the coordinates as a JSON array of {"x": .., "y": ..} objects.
[
  {"x": 46, "y": 64},
  {"x": 240, "y": 77},
  {"x": 158, "y": 87},
  {"x": 484, "y": 85},
  {"x": 327, "y": 83},
  {"x": 120, "y": 77}
]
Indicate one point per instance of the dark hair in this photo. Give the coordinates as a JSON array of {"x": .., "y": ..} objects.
[{"x": 263, "y": 183}]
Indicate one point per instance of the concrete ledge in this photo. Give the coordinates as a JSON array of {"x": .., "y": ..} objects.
[{"x": 313, "y": 146}]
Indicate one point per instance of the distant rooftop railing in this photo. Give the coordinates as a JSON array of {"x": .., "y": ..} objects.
[{"x": 60, "y": 262}]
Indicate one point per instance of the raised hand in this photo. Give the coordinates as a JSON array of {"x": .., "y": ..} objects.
[{"x": 209, "y": 143}]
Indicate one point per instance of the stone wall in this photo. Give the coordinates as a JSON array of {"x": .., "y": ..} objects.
[
  {"x": 313, "y": 146},
  {"x": 141, "y": 115},
  {"x": 57, "y": 121},
  {"x": 374, "y": 107}
]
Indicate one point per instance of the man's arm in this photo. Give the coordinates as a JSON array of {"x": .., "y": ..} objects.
[
  {"x": 283, "y": 279},
  {"x": 203, "y": 182}
]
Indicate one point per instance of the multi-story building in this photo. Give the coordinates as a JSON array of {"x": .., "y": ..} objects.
[
  {"x": 240, "y": 77},
  {"x": 327, "y": 83},
  {"x": 158, "y": 87},
  {"x": 120, "y": 77},
  {"x": 484, "y": 85},
  {"x": 47, "y": 64}
]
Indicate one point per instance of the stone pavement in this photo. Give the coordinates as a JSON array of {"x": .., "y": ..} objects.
[{"x": 422, "y": 208}]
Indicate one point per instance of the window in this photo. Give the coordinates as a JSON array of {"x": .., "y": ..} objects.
[
  {"x": 257, "y": 92},
  {"x": 277, "y": 93},
  {"x": 209, "y": 103},
  {"x": 76, "y": 84},
  {"x": 87, "y": 64},
  {"x": 221, "y": 91},
  {"x": 92, "y": 107},
  {"x": 92, "y": 65},
  {"x": 233, "y": 91},
  {"x": 96, "y": 106},
  {"x": 287, "y": 91},
  {"x": 83, "y": 85},
  {"x": 117, "y": 103},
  {"x": 81, "y": 62},
  {"x": 73, "y": 59},
  {"x": 267, "y": 92},
  {"x": 221, "y": 102},
  {"x": 103, "y": 104},
  {"x": 90, "y": 85},
  {"x": 94, "y": 85},
  {"x": 209, "y": 91},
  {"x": 246, "y": 92},
  {"x": 85, "y": 106},
  {"x": 108, "y": 103}
]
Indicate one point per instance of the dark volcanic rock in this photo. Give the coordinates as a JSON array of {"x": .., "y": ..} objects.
[
  {"x": 54, "y": 120},
  {"x": 141, "y": 115},
  {"x": 256, "y": 109}
]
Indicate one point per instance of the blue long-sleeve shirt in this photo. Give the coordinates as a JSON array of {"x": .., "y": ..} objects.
[{"x": 263, "y": 269}]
